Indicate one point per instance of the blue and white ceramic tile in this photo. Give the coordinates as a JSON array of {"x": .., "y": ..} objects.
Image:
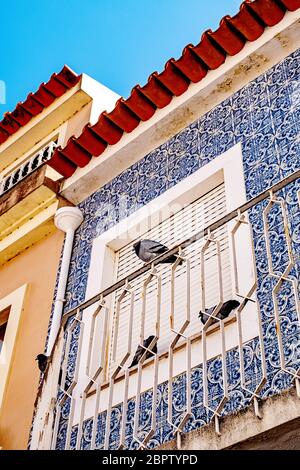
[{"x": 264, "y": 117}]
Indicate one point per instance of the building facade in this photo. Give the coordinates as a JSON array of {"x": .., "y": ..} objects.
[
  {"x": 204, "y": 159},
  {"x": 30, "y": 243}
]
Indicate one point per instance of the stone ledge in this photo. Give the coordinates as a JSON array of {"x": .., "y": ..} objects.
[{"x": 278, "y": 428}]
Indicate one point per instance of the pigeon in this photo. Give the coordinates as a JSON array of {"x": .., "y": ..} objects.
[
  {"x": 223, "y": 313},
  {"x": 42, "y": 362},
  {"x": 141, "y": 350},
  {"x": 148, "y": 250}
]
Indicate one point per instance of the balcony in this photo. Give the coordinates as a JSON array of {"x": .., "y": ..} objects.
[
  {"x": 27, "y": 168},
  {"x": 28, "y": 198},
  {"x": 200, "y": 373}
]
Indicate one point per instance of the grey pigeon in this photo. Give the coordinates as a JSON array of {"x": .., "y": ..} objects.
[
  {"x": 42, "y": 362},
  {"x": 148, "y": 250},
  {"x": 223, "y": 313},
  {"x": 141, "y": 350}
]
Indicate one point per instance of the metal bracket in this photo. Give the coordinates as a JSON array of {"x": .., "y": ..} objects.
[
  {"x": 257, "y": 411},
  {"x": 217, "y": 425},
  {"x": 297, "y": 383},
  {"x": 179, "y": 440}
]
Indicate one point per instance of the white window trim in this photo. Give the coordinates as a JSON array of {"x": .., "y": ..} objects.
[
  {"x": 14, "y": 301},
  {"x": 227, "y": 168}
]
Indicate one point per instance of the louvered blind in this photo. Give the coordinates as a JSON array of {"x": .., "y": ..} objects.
[{"x": 185, "y": 223}]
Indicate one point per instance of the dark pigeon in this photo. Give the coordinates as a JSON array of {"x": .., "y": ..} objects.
[
  {"x": 141, "y": 350},
  {"x": 42, "y": 362},
  {"x": 148, "y": 250},
  {"x": 223, "y": 313}
]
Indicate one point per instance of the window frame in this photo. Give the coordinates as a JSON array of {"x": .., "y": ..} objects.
[
  {"x": 15, "y": 303},
  {"x": 193, "y": 329},
  {"x": 4, "y": 316}
]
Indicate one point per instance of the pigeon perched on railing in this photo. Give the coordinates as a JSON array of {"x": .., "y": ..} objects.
[
  {"x": 141, "y": 350},
  {"x": 148, "y": 250},
  {"x": 42, "y": 362},
  {"x": 223, "y": 313}
]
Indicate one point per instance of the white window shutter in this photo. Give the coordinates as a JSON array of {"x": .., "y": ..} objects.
[{"x": 184, "y": 224}]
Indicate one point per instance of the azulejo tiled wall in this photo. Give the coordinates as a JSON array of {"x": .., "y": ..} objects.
[
  {"x": 200, "y": 416},
  {"x": 264, "y": 117}
]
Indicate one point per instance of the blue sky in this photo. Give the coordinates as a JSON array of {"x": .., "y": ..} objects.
[{"x": 118, "y": 42}]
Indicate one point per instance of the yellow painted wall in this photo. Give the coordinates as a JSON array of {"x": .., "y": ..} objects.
[{"x": 36, "y": 267}]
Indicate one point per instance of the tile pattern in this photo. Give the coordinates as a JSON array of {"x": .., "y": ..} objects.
[
  {"x": 164, "y": 432},
  {"x": 264, "y": 117}
]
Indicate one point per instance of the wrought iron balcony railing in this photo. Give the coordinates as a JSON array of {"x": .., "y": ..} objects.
[
  {"x": 27, "y": 168},
  {"x": 99, "y": 406}
]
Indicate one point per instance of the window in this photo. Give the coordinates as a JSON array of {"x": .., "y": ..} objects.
[
  {"x": 185, "y": 223},
  {"x": 2, "y": 334},
  {"x": 3, "y": 324},
  {"x": 11, "y": 308},
  {"x": 200, "y": 199}
]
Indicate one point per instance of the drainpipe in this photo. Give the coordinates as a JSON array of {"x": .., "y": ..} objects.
[{"x": 68, "y": 220}]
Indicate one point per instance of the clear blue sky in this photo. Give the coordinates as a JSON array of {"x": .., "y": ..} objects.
[{"x": 118, "y": 42}]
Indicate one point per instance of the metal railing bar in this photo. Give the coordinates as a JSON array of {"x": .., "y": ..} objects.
[
  {"x": 165, "y": 354},
  {"x": 21, "y": 172}
]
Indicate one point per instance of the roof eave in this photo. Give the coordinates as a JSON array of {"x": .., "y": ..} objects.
[{"x": 256, "y": 57}]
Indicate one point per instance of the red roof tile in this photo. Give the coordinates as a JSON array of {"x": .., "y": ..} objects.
[
  {"x": 196, "y": 61},
  {"x": 36, "y": 102}
]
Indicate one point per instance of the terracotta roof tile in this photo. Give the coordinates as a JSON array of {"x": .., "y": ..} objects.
[
  {"x": 194, "y": 64},
  {"x": 36, "y": 102}
]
